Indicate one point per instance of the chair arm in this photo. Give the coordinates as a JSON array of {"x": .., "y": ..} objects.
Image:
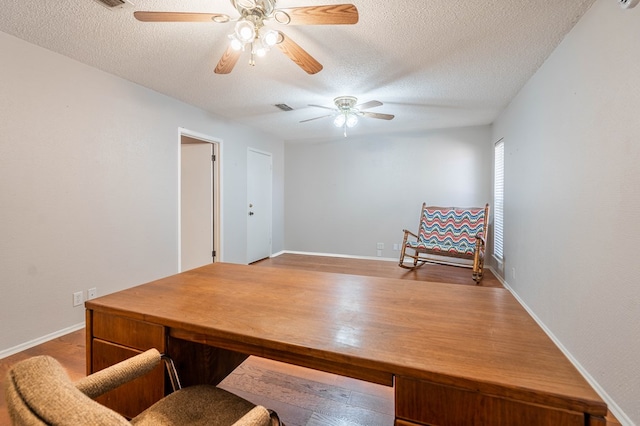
[
  {"x": 406, "y": 231},
  {"x": 118, "y": 374},
  {"x": 258, "y": 416}
]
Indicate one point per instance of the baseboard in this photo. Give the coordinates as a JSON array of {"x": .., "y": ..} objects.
[
  {"x": 613, "y": 407},
  {"x": 35, "y": 342},
  {"x": 345, "y": 256}
]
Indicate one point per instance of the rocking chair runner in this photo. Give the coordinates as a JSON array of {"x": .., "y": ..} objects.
[{"x": 448, "y": 232}]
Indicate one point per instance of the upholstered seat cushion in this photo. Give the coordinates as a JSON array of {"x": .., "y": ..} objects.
[
  {"x": 202, "y": 405},
  {"x": 462, "y": 247},
  {"x": 40, "y": 393}
]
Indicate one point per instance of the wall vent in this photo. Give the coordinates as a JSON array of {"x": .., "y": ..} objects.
[
  {"x": 115, "y": 4},
  {"x": 283, "y": 107}
]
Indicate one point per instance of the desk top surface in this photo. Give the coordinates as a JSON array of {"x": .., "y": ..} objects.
[{"x": 471, "y": 337}]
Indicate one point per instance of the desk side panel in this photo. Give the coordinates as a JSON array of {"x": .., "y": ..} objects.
[
  {"x": 111, "y": 339},
  {"x": 88, "y": 336},
  {"x": 422, "y": 402},
  {"x": 133, "y": 397}
]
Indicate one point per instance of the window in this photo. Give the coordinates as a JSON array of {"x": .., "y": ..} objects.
[{"x": 498, "y": 201}]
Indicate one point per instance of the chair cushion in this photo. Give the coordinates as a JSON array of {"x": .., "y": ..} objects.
[
  {"x": 44, "y": 388},
  {"x": 446, "y": 247},
  {"x": 203, "y": 405}
]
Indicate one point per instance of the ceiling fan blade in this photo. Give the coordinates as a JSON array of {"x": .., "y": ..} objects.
[
  {"x": 378, "y": 115},
  {"x": 335, "y": 14},
  {"x": 228, "y": 61},
  {"x": 369, "y": 104},
  {"x": 316, "y": 118},
  {"x": 179, "y": 17},
  {"x": 325, "y": 107},
  {"x": 298, "y": 55}
]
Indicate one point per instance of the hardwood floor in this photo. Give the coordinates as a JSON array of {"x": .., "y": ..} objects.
[
  {"x": 377, "y": 268},
  {"x": 301, "y": 396},
  {"x": 307, "y": 397}
]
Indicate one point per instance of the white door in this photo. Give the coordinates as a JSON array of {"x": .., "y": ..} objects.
[
  {"x": 258, "y": 205},
  {"x": 196, "y": 204}
]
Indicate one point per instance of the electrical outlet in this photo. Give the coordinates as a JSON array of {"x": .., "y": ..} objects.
[
  {"x": 77, "y": 298},
  {"x": 92, "y": 293},
  {"x": 380, "y": 246},
  {"x": 379, "y": 253},
  {"x": 513, "y": 273}
]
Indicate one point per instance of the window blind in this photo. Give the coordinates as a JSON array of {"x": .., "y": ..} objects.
[{"x": 498, "y": 201}]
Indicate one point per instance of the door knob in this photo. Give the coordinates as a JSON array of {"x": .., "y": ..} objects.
[{"x": 250, "y": 213}]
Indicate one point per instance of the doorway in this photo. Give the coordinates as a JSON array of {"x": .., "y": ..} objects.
[
  {"x": 259, "y": 205},
  {"x": 199, "y": 225}
]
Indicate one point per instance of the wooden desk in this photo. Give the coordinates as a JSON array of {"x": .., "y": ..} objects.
[{"x": 457, "y": 355}]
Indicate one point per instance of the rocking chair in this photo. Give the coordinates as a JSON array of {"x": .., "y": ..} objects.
[{"x": 448, "y": 232}]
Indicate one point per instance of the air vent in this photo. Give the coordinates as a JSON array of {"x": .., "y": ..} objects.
[
  {"x": 284, "y": 107},
  {"x": 115, "y": 4},
  {"x": 628, "y": 4}
]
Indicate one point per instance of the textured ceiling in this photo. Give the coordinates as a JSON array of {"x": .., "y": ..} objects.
[{"x": 433, "y": 63}]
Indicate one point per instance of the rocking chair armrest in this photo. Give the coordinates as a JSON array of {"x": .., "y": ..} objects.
[{"x": 406, "y": 231}]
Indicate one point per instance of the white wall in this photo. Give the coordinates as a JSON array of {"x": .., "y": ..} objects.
[
  {"x": 89, "y": 187},
  {"x": 344, "y": 196},
  {"x": 572, "y": 196}
]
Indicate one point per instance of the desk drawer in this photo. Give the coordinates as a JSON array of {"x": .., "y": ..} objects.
[
  {"x": 426, "y": 403},
  {"x": 127, "y": 332}
]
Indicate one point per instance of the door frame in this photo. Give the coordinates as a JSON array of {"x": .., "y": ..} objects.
[{"x": 217, "y": 174}]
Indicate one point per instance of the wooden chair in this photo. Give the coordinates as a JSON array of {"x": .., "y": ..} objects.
[
  {"x": 39, "y": 392},
  {"x": 448, "y": 232}
]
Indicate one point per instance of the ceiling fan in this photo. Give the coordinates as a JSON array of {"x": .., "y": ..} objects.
[
  {"x": 250, "y": 31},
  {"x": 347, "y": 112}
]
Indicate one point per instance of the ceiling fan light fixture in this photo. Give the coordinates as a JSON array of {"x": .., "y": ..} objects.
[
  {"x": 270, "y": 38},
  {"x": 348, "y": 112},
  {"x": 265, "y": 6},
  {"x": 351, "y": 119},
  {"x": 259, "y": 49},
  {"x": 245, "y": 31},
  {"x": 235, "y": 43},
  {"x": 249, "y": 27}
]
